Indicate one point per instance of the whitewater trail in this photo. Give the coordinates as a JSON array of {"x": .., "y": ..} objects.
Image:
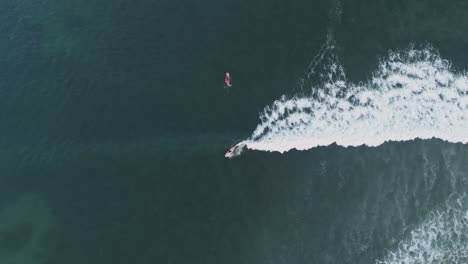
[{"x": 413, "y": 94}]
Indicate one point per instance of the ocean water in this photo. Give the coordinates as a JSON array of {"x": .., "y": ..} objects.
[{"x": 350, "y": 117}]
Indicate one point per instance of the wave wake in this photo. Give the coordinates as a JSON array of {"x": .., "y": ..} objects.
[{"x": 413, "y": 94}]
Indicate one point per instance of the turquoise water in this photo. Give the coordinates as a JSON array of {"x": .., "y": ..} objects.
[{"x": 115, "y": 123}]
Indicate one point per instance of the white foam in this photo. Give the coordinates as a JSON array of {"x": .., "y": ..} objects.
[
  {"x": 413, "y": 94},
  {"x": 442, "y": 238}
]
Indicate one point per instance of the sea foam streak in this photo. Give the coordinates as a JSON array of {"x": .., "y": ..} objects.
[{"x": 413, "y": 94}]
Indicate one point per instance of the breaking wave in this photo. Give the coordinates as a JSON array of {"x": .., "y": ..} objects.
[
  {"x": 442, "y": 238},
  {"x": 413, "y": 94}
]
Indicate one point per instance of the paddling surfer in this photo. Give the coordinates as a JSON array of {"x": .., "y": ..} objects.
[{"x": 227, "y": 79}]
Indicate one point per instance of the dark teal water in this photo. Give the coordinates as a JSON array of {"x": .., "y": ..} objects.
[{"x": 115, "y": 123}]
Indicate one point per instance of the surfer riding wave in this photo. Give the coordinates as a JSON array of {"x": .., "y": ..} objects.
[{"x": 234, "y": 151}]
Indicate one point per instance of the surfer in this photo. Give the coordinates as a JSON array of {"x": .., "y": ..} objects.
[
  {"x": 234, "y": 151},
  {"x": 227, "y": 80},
  {"x": 230, "y": 152}
]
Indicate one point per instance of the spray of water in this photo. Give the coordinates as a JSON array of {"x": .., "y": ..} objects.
[{"x": 413, "y": 94}]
